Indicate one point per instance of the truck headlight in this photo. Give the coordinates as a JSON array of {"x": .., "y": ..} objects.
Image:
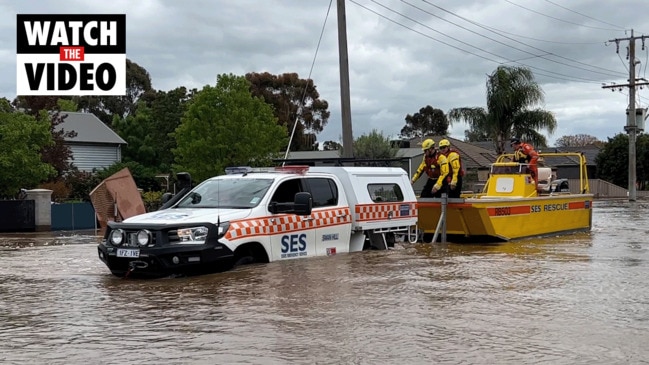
[
  {"x": 193, "y": 234},
  {"x": 144, "y": 237},
  {"x": 117, "y": 237},
  {"x": 199, "y": 234}
]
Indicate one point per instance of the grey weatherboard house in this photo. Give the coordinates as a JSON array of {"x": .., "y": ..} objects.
[{"x": 96, "y": 146}]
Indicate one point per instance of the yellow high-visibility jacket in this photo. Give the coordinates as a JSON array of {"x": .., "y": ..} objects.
[
  {"x": 455, "y": 163},
  {"x": 429, "y": 164}
]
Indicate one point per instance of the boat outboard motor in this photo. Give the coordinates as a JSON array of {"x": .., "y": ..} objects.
[
  {"x": 185, "y": 184},
  {"x": 561, "y": 186}
]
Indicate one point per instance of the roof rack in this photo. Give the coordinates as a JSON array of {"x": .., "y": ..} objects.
[
  {"x": 293, "y": 169},
  {"x": 342, "y": 161}
]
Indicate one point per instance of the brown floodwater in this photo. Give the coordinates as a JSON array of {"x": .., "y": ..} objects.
[{"x": 574, "y": 299}]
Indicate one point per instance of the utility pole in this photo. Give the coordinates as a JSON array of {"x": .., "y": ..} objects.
[
  {"x": 345, "y": 104},
  {"x": 631, "y": 127}
]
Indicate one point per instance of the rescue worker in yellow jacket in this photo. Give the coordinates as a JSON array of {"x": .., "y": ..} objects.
[
  {"x": 456, "y": 169},
  {"x": 434, "y": 164}
]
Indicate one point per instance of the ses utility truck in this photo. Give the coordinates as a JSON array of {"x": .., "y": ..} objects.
[{"x": 263, "y": 215}]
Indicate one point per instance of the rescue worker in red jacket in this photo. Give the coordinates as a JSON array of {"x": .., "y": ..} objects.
[
  {"x": 525, "y": 153},
  {"x": 455, "y": 165},
  {"x": 435, "y": 166}
]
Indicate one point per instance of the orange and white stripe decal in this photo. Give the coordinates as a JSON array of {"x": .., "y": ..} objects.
[
  {"x": 287, "y": 223},
  {"x": 385, "y": 211}
]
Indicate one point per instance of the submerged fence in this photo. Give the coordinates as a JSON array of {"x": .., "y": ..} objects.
[
  {"x": 17, "y": 216},
  {"x": 73, "y": 216}
]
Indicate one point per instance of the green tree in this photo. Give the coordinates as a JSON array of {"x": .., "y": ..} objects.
[
  {"x": 642, "y": 161},
  {"x": 48, "y": 108},
  {"x": 475, "y": 135},
  {"x": 136, "y": 130},
  {"x": 58, "y": 155},
  {"x": 167, "y": 109},
  {"x": 33, "y": 105},
  {"x": 21, "y": 139},
  {"x": 81, "y": 183},
  {"x": 428, "y": 121},
  {"x": 149, "y": 131},
  {"x": 5, "y": 106},
  {"x": 138, "y": 83},
  {"x": 286, "y": 93},
  {"x": 226, "y": 125},
  {"x": 373, "y": 146},
  {"x": 612, "y": 160},
  {"x": 511, "y": 92},
  {"x": 577, "y": 140},
  {"x": 67, "y": 105},
  {"x": 144, "y": 177},
  {"x": 331, "y": 146}
]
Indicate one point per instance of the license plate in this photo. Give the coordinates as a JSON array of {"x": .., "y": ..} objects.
[{"x": 123, "y": 252}]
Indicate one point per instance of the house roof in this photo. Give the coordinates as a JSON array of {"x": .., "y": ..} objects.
[
  {"x": 89, "y": 128},
  {"x": 473, "y": 156},
  {"x": 590, "y": 152},
  {"x": 410, "y": 152}
]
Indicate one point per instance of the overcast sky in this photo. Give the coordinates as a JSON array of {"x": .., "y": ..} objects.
[{"x": 403, "y": 55}]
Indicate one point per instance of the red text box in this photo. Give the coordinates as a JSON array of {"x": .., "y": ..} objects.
[{"x": 71, "y": 54}]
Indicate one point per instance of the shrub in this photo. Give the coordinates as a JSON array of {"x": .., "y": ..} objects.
[
  {"x": 152, "y": 200},
  {"x": 81, "y": 184},
  {"x": 60, "y": 191}
]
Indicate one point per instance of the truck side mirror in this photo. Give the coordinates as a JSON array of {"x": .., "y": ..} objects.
[
  {"x": 165, "y": 198},
  {"x": 303, "y": 203},
  {"x": 184, "y": 180}
]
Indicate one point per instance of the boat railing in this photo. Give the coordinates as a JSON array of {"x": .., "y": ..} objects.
[
  {"x": 508, "y": 168},
  {"x": 507, "y": 159}
]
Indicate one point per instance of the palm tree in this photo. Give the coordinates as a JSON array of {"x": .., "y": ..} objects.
[{"x": 511, "y": 91}]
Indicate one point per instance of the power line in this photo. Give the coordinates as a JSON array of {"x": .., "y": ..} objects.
[
  {"x": 561, "y": 20},
  {"x": 623, "y": 63},
  {"x": 565, "y": 77},
  {"x": 306, "y": 87},
  {"x": 646, "y": 59},
  {"x": 497, "y": 32},
  {"x": 530, "y": 38},
  {"x": 427, "y": 36},
  {"x": 584, "y": 15},
  {"x": 507, "y": 45}
]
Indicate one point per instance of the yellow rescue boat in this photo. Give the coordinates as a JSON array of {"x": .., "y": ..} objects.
[{"x": 511, "y": 206}]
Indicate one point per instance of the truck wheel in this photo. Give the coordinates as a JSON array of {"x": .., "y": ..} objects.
[
  {"x": 390, "y": 239},
  {"x": 244, "y": 260},
  {"x": 428, "y": 237}
]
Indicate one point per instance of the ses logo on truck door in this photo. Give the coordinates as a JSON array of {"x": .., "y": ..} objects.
[
  {"x": 59, "y": 54},
  {"x": 294, "y": 245}
]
